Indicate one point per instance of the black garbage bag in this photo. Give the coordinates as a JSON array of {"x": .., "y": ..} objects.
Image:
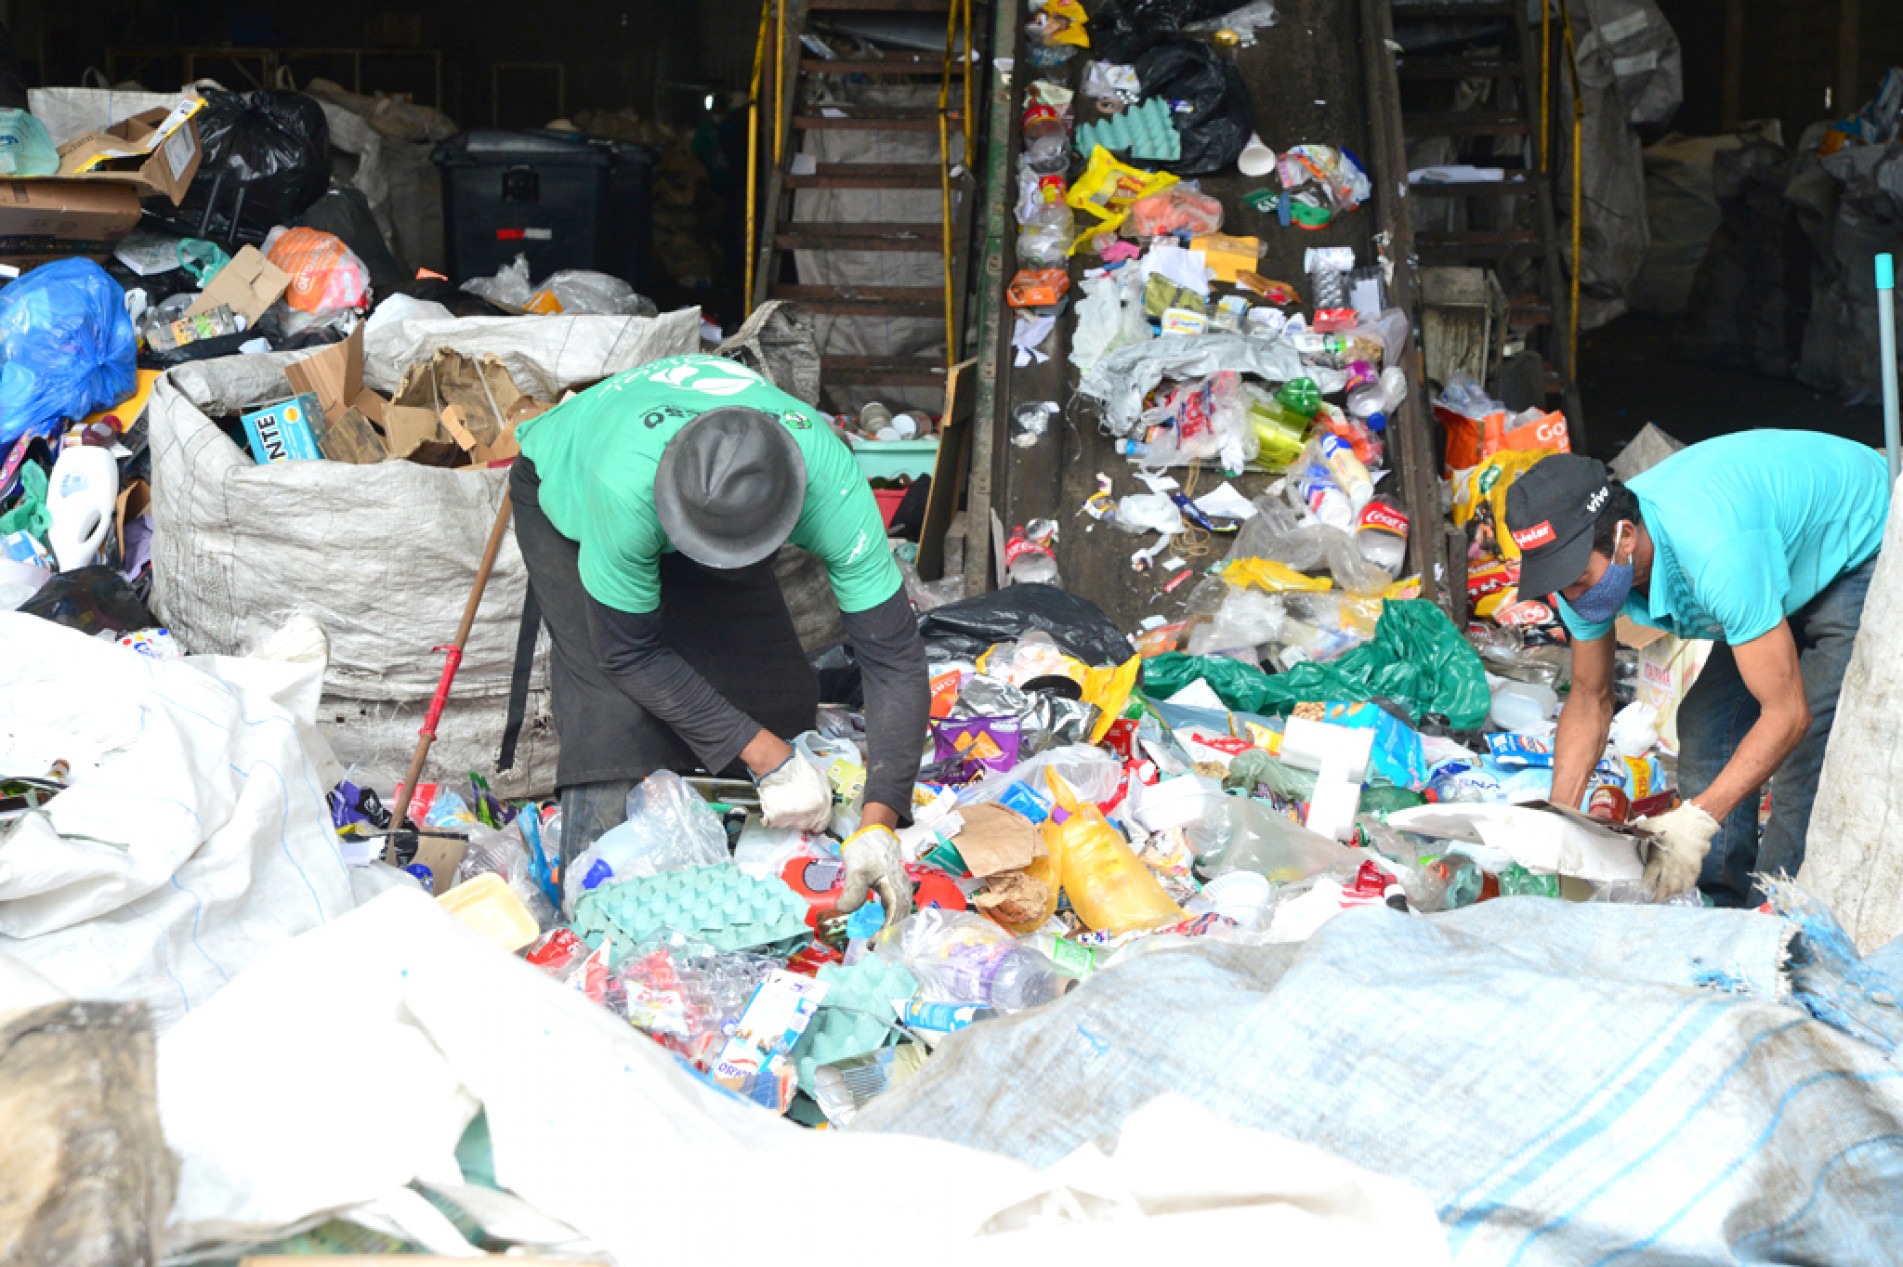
[
  {"x": 93, "y": 600},
  {"x": 962, "y": 630},
  {"x": 1123, "y": 30},
  {"x": 1208, "y": 103},
  {"x": 267, "y": 158}
]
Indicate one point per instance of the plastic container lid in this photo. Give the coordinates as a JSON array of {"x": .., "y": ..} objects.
[{"x": 1239, "y": 891}]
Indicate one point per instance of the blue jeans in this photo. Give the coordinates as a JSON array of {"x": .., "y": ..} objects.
[{"x": 1719, "y": 709}]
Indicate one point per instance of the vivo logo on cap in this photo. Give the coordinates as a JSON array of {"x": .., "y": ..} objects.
[
  {"x": 1539, "y": 534},
  {"x": 1597, "y": 500}
]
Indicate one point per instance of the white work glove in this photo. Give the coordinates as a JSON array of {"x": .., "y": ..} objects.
[
  {"x": 873, "y": 862},
  {"x": 1684, "y": 838},
  {"x": 796, "y": 796}
]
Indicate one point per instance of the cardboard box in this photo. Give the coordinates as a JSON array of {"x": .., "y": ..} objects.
[
  {"x": 248, "y": 285},
  {"x": 44, "y": 220},
  {"x": 1667, "y": 668},
  {"x": 155, "y": 152},
  {"x": 286, "y": 431}
]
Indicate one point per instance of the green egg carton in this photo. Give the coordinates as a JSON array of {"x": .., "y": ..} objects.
[
  {"x": 1146, "y": 133},
  {"x": 852, "y": 1019},
  {"x": 720, "y": 905}
]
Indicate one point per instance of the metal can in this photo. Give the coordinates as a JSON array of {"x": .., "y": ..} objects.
[{"x": 1609, "y": 803}]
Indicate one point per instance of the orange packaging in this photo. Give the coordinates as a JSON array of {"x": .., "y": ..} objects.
[
  {"x": 1471, "y": 441},
  {"x": 1037, "y": 288},
  {"x": 945, "y": 693},
  {"x": 325, "y": 275}
]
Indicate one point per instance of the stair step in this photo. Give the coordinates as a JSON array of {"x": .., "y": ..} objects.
[
  {"x": 890, "y": 64},
  {"x": 1489, "y": 244},
  {"x": 866, "y": 301},
  {"x": 1440, "y": 12},
  {"x": 870, "y": 176},
  {"x": 882, "y": 371},
  {"x": 866, "y": 119},
  {"x": 1528, "y": 310},
  {"x": 1465, "y": 123},
  {"x": 1509, "y": 187},
  {"x": 877, "y": 6},
  {"x": 1457, "y": 67},
  {"x": 808, "y": 235}
]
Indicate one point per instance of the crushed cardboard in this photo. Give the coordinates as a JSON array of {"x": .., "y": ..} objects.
[
  {"x": 449, "y": 411},
  {"x": 995, "y": 839},
  {"x": 248, "y": 285},
  {"x": 156, "y": 152},
  {"x": 43, "y": 220}
]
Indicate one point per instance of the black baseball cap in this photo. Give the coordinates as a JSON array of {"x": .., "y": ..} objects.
[
  {"x": 1551, "y": 511},
  {"x": 730, "y": 487}
]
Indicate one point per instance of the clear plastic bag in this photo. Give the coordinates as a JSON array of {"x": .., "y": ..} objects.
[
  {"x": 507, "y": 855},
  {"x": 580, "y": 292},
  {"x": 1278, "y": 534},
  {"x": 959, "y": 957},
  {"x": 669, "y": 827},
  {"x": 1246, "y": 620},
  {"x": 1250, "y": 836},
  {"x": 510, "y": 286},
  {"x": 1109, "y": 316}
]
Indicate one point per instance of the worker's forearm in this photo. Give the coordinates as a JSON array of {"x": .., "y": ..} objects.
[
  {"x": 1772, "y": 738},
  {"x": 898, "y": 699},
  {"x": 1583, "y": 725}
]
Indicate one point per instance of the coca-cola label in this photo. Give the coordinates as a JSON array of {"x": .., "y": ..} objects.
[
  {"x": 1530, "y": 612},
  {"x": 1018, "y": 547},
  {"x": 1381, "y": 517}
]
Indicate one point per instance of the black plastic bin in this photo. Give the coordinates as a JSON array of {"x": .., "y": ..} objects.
[{"x": 563, "y": 199}]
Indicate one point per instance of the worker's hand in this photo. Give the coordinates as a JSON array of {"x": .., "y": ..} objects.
[
  {"x": 796, "y": 796},
  {"x": 873, "y": 863},
  {"x": 1684, "y": 838}
]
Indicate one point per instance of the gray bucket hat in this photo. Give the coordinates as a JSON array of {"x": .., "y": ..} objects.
[{"x": 730, "y": 487}]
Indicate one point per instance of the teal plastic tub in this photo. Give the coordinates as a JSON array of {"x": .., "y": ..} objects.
[{"x": 896, "y": 459}]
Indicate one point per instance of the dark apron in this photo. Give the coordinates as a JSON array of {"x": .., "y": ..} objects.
[{"x": 732, "y": 627}]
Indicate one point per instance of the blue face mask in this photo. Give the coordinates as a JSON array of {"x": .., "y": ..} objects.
[{"x": 1606, "y": 597}]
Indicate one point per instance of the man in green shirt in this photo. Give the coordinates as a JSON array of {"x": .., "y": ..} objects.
[{"x": 648, "y": 510}]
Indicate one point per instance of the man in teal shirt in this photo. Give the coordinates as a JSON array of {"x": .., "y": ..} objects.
[
  {"x": 1763, "y": 541},
  {"x": 648, "y": 509}
]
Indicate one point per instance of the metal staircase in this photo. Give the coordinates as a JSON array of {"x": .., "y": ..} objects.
[
  {"x": 841, "y": 68},
  {"x": 1478, "y": 78}
]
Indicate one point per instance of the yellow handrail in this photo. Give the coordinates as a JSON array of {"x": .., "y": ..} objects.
[
  {"x": 952, "y": 14},
  {"x": 753, "y": 159},
  {"x": 1578, "y": 199}
]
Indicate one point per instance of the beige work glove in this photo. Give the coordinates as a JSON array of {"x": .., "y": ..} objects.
[
  {"x": 1684, "y": 838},
  {"x": 874, "y": 864},
  {"x": 796, "y": 796}
]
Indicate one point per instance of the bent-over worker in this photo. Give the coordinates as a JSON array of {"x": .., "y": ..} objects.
[
  {"x": 1763, "y": 541},
  {"x": 648, "y": 510}
]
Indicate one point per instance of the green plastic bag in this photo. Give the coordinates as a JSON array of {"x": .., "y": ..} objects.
[
  {"x": 1416, "y": 658},
  {"x": 29, "y": 513}
]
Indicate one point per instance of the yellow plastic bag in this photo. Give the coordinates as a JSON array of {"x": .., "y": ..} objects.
[
  {"x": 1109, "y": 689},
  {"x": 1108, "y": 186},
  {"x": 1276, "y": 578},
  {"x": 1110, "y": 888}
]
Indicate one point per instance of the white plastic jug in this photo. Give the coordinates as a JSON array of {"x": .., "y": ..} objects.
[{"x": 79, "y": 499}]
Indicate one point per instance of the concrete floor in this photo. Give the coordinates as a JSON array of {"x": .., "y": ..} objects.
[{"x": 1630, "y": 374}]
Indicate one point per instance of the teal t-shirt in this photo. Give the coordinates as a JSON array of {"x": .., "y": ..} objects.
[
  {"x": 1748, "y": 528},
  {"x": 596, "y": 456}
]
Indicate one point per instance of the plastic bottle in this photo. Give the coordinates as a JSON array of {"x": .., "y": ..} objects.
[
  {"x": 1350, "y": 475},
  {"x": 1460, "y": 880},
  {"x": 1521, "y": 706},
  {"x": 1028, "y": 556},
  {"x": 1313, "y": 488},
  {"x": 1356, "y": 434},
  {"x": 1000, "y": 974},
  {"x": 1077, "y": 961},
  {"x": 80, "y": 497},
  {"x": 1381, "y": 534}
]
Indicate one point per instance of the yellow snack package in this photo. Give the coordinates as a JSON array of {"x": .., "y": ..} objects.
[{"x": 1109, "y": 689}]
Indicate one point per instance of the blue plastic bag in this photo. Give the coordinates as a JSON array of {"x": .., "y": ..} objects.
[{"x": 66, "y": 348}]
